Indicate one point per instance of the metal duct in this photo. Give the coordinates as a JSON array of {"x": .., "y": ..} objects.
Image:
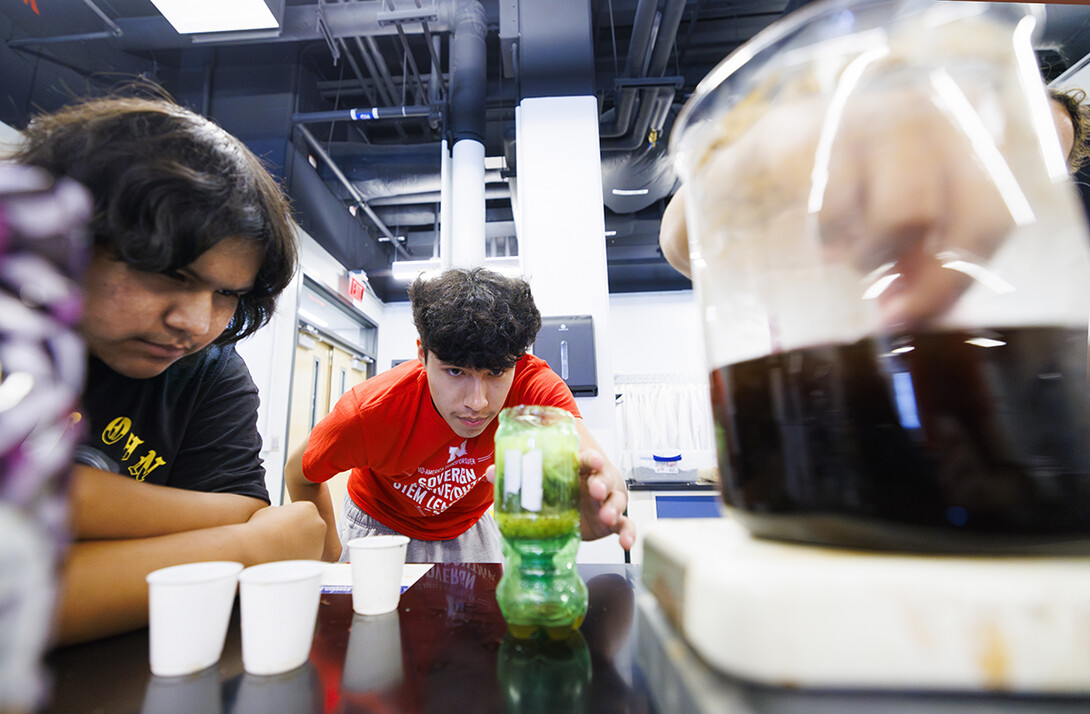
[
  {"x": 468, "y": 71},
  {"x": 648, "y": 170},
  {"x": 555, "y": 49}
]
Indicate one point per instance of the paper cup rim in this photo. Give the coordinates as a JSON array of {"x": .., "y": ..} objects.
[
  {"x": 189, "y": 573},
  {"x": 282, "y": 571},
  {"x": 378, "y": 541}
]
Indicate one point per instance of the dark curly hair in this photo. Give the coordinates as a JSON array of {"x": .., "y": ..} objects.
[
  {"x": 168, "y": 185},
  {"x": 475, "y": 318},
  {"x": 1073, "y": 100}
]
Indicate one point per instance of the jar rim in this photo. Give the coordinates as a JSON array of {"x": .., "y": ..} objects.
[{"x": 538, "y": 415}]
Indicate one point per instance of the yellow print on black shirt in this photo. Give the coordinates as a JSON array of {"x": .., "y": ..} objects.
[{"x": 121, "y": 428}]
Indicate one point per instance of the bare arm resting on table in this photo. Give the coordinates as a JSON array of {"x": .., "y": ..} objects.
[
  {"x": 109, "y": 505},
  {"x": 103, "y": 591},
  {"x": 301, "y": 489}
]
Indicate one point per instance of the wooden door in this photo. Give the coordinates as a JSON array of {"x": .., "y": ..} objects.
[{"x": 344, "y": 373}]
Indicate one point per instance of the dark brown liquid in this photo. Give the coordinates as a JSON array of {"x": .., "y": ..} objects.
[{"x": 944, "y": 446}]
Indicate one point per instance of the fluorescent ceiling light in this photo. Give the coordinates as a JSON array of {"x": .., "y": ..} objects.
[
  {"x": 406, "y": 270},
  {"x": 196, "y": 16}
]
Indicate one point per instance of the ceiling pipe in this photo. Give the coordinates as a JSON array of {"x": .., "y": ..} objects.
[
  {"x": 367, "y": 45},
  {"x": 421, "y": 89},
  {"x": 357, "y": 71},
  {"x": 408, "y": 199},
  {"x": 651, "y": 108},
  {"x": 114, "y": 31},
  {"x": 58, "y": 39},
  {"x": 656, "y": 68},
  {"x": 436, "y": 64},
  {"x": 638, "y": 48},
  {"x": 371, "y": 113},
  {"x": 356, "y": 196}
]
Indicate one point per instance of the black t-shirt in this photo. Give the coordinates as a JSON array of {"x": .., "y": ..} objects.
[{"x": 194, "y": 426}]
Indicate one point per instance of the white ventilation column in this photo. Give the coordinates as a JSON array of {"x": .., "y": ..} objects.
[
  {"x": 467, "y": 178},
  {"x": 562, "y": 229},
  {"x": 446, "y": 207}
]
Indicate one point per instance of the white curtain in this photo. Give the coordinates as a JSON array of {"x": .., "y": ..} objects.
[{"x": 661, "y": 411}]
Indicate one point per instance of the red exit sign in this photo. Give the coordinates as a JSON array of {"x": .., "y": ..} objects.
[{"x": 356, "y": 288}]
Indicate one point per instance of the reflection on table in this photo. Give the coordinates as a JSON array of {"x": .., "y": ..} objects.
[{"x": 444, "y": 649}]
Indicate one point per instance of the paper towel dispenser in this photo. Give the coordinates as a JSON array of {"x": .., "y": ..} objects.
[{"x": 567, "y": 344}]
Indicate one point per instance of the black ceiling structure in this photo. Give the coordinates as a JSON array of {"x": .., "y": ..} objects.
[{"x": 349, "y": 101}]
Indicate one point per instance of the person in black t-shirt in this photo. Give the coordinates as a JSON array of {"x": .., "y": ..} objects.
[{"x": 192, "y": 243}]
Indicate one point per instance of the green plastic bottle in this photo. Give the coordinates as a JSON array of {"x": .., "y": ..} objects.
[
  {"x": 537, "y": 509},
  {"x": 545, "y": 675}
]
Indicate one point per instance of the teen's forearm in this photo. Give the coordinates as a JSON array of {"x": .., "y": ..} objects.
[
  {"x": 105, "y": 505},
  {"x": 301, "y": 489},
  {"x": 102, "y": 585}
]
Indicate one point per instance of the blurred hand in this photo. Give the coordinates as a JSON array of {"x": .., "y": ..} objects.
[
  {"x": 603, "y": 499},
  {"x": 899, "y": 190}
]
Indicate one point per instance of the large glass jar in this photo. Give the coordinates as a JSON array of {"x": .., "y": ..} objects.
[{"x": 893, "y": 271}]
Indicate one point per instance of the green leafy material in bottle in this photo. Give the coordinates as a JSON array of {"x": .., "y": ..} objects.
[{"x": 537, "y": 510}]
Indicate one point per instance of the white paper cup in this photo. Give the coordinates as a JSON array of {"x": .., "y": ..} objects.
[
  {"x": 374, "y": 660},
  {"x": 279, "y": 604},
  {"x": 377, "y": 562},
  {"x": 189, "y": 607}
]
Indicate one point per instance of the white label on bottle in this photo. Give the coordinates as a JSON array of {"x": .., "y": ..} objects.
[
  {"x": 512, "y": 470},
  {"x": 532, "y": 481}
]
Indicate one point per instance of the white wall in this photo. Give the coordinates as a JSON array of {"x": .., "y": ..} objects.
[
  {"x": 396, "y": 336},
  {"x": 657, "y": 333}
]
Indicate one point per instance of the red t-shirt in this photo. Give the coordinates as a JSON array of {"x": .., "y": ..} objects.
[{"x": 409, "y": 470}]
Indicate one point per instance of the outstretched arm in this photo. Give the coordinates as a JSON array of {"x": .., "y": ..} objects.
[
  {"x": 103, "y": 591},
  {"x": 301, "y": 489},
  {"x": 603, "y": 494}
]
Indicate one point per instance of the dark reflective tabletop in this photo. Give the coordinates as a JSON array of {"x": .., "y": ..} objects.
[{"x": 445, "y": 649}]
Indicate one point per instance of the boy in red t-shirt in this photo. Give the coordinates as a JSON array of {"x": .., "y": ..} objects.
[{"x": 418, "y": 439}]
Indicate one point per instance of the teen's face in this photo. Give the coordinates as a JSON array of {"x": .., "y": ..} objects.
[
  {"x": 467, "y": 399},
  {"x": 140, "y": 323}
]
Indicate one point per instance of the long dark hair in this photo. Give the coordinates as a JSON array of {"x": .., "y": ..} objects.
[{"x": 168, "y": 185}]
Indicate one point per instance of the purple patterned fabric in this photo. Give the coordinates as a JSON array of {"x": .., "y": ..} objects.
[{"x": 43, "y": 249}]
